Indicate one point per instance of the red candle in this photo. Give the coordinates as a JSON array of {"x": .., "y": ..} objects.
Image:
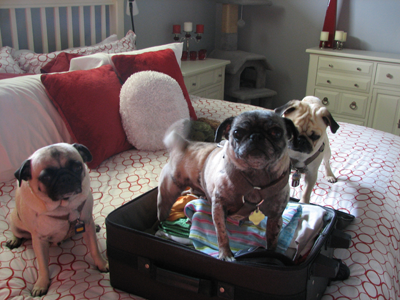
[
  {"x": 176, "y": 29},
  {"x": 199, "y": 28}
]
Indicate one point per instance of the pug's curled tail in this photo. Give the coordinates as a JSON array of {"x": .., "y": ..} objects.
[{"x": 176, "y": 135}]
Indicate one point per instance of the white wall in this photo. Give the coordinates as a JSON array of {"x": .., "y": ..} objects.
[{"x": 282, "y": 32}]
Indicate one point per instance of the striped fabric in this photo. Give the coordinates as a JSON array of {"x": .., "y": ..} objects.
[{"x": 241, "y": 236}]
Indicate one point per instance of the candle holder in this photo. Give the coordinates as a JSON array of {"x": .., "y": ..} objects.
[
  {"x": 322, "y": 45},
  {"x": 187, "y": 35}
]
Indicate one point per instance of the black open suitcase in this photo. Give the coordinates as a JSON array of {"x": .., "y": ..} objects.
[{"x": 155, "y": 268}]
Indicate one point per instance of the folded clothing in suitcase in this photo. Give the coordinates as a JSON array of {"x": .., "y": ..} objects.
[{"x": 154, "y": 268}]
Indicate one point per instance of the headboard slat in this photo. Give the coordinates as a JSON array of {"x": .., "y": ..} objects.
[
  {"x": 57, "y": 28},
  {"x": 93, "y": 25},
  {"x": 103, "y": 22},
  {"x": 70, "y": 28},
  {"x": 29, "y": 28},
  {"x": 81, "y": 26},
  {"x": 14, "y": 30},
  {"x": 43, "y": 26}
]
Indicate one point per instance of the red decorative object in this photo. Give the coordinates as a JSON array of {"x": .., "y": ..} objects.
[
  {"x": 193, "y": 55},
  {"x": 202, "y": 54},
  {"x": 330, "y": 23},
  {"x": 199, "y": 28},
  {"x": 176, "y": 29}
]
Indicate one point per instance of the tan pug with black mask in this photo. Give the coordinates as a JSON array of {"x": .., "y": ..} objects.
[
  {"x": 53, "y": 202},
  {"x": 248, "y": 174},
  {"x": 311, "y": 119}
]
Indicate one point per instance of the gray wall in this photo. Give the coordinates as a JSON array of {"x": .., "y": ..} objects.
[
  {"x": 153, "y": 24},
  {"x": 283, "y": 32}
]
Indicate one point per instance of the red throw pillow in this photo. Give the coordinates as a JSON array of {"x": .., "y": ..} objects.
[
  {"x": 88, "y": 102},
  {"x": 163, "y": 61},
  {"x": 60, "y": 63}
]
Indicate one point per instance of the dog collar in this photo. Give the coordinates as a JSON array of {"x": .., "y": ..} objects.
[
  {"x": 297, "y": 175},
  {"x": 308, "y": 160}
]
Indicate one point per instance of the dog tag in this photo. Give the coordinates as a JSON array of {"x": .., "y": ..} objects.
[
  {"x": 79, "y": 227},
  {"x": 256, "y": 216},
  {"x": 296, "y": 179}
]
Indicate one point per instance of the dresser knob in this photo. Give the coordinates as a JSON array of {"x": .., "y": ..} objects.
[
  {"x": 356, "y": 85},
  {"x": 390, "y": 76},
  {"x": 359, "y": 69},
  {"x": 330, "y": 66},
  {"x": 328, "y": 81},
  {"x": 353, "y": 105},
  {"x": 194, "y": 84},
  {"x": 219, "y": 75},
  {"x": 325, "y": 101}
]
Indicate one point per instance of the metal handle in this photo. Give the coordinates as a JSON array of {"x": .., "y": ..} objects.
[
  {"x": 325, "y": 101},
  {"x": 330, "y": 66},
  {"x": 328, "y": 81},
  {"x": 353, "y": 105},
  {"x": 219, "y": 75},
  {"x": 356, "y": 85},
  {"x": 359, "y": 69},
  {"x": 390, "y": 76},
  {"x": 194, "y": 84}
]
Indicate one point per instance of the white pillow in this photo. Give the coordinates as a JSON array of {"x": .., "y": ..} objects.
[
  {"x": 7, "y": 61},
  {"x": 150, "y": 102},
  {"x": 100, "y": 59},
  {"x": 28, "y": 121},
  {"x": 32, "y": 62}
]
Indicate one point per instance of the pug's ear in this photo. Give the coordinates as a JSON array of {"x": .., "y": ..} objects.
[
  {"x": 84, "y": 152},
  {"x": 223, "y": 130},
  {"x": 287, "y": 108},
  {"x": 329, "y": 121},
  {"x": 292, "y": 132},
  {"x": 24, "y": 172}
]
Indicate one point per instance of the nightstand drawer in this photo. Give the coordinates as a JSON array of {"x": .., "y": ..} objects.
[
  {"x": 354, "y": 83},
  {"x": 345, "y": 65},
  {"x": 206, "y": 79},
  {"x": 388, "y": 75},
  {"x": 353, "y": 105}
]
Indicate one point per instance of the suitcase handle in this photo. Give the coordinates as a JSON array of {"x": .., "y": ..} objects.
[{"x": 174, "y": 279}]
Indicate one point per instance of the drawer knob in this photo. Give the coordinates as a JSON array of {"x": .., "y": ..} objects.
[
  {"x": 330, "y": 66},
  {"x": 353, "y": 105},
  {"x": 328, "y": 81},
  {"x": 356, "y": 85},
  {"x": 194, "y": 84},
  {"x": 359, "y": 69},
  {"x": 390, "y": 76},
  {"x": 325, "y": 101},
  {"x": 219, "y": 75}
]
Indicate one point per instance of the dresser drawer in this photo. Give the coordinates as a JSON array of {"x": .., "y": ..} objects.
[
  {"x": 329, "y": 98},
  {"x": 388, "y": 75},
  {"x": 345, "y": 65},
  {"x": 354, "y": 83},
  {"x": 353, "y": 105}
]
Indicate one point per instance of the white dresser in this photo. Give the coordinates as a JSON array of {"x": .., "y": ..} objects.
[
  {"x": 359, "y": 87},
  {"x": 205, "y": 78}
]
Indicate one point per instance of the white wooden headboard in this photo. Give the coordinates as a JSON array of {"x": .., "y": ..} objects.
[{"x": 99, "y": 17}]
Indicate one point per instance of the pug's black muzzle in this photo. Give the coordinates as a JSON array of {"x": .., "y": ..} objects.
[
  {"x": 302, "y": 145},
  {"x": 64, "y": 184}
]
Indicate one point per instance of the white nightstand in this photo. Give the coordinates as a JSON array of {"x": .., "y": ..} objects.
[
  {"x": 359, "y": 87},
  {"x": 205, "y": 78}
]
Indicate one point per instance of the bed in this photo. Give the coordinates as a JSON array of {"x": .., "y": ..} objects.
[{"x": 366, "y": 161}]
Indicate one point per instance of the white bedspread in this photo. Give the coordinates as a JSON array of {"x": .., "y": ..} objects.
[{"x": 366, "y": 162}]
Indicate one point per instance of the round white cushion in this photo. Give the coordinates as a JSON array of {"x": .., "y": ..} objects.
[{"x": 149, "y": 103}]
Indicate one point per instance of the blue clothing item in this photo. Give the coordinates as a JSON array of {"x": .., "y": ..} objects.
[{"x": 243, "y": 236}]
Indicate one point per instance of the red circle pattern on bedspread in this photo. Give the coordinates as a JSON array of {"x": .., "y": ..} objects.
[{"x": 370, "y": 192}]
